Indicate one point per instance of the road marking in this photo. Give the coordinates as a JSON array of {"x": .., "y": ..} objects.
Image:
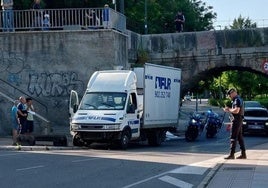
[
  {"x": 176, "y": 182},
  {"x": 195, "y": 168},
  {"x": 82, "y": 160},
  {"x": 145, "y": 180},
  {"x": 30, "y": 168}
]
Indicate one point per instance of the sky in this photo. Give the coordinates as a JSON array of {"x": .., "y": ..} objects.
[{"x": 228, "y": 10}]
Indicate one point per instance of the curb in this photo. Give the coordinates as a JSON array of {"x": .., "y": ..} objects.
[
  {"x": 37, "y": 148},
  {"x": 210, "y": 175}
]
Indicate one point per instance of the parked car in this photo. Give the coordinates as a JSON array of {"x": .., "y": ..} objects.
[
  {"x": 187, "y": 97},
  {"x": 252, "y": 104},
  {"x": 255, "y": 120}
]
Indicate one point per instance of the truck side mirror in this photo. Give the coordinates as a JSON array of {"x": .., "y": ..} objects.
[{"x": 75, "y": 108}]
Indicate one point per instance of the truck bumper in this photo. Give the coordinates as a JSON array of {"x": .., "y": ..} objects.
[{"x": 99, "y": 136}]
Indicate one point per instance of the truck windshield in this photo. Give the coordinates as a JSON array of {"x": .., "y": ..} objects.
[{"x": 103, "y": 101}]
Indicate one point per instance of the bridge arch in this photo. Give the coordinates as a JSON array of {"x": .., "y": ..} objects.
[{"x": 200, "y": 54}]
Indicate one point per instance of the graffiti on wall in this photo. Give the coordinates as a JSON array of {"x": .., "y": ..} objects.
[
  {"x": 11, "y": 62},
  {"x": 54, "y": 84}
]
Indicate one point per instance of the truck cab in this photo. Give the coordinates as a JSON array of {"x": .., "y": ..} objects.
[{"x": 108, "y": 110}]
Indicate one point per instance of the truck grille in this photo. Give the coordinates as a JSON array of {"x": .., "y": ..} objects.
[{"x": 91, "y": 127}]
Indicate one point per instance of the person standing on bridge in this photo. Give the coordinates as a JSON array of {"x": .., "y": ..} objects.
[
  {"x": 237, "y": 113},
  {"x": 179, "y": 21},
  {"x": 106, "y": 16},
  {"x": 7, "y": 15},
  {"x": 38, "y": 15}
]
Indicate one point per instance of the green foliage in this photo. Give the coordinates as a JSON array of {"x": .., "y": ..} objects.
[
  {"x": 27, "y": 4},
  {"x": 160, "y": 13},
  {"x": 213, "y": 102},
  {"x": 249, "y": 85},
  {"x": 263, "y": 101},
  {"x": 219, "y": 102},
  {"x": 243, "y": 23},
  {"x": 143, "y": 56},
  {"x": 23, "y": 4}
]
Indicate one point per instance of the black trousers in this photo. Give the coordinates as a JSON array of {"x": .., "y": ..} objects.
[{"x": 237, "y": 135}]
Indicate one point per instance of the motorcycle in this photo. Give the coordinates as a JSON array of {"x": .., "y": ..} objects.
[
  {"x": 195, "y": 127},
  {"x": 213, "y": 123}
]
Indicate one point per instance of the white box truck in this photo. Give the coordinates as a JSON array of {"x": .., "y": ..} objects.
[{"x": 120, "y": 106}]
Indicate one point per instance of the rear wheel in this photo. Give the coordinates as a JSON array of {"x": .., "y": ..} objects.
[
  {"x": 155, "y": 138},
  {"x": 191, "y": 134}
]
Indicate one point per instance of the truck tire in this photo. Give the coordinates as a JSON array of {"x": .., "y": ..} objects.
[
  {"x": 124, "y": 140},
  {"x": 191, "y": 135},
  {"x": 155, "y": 138},
  {"x": 77, "y": 141}
]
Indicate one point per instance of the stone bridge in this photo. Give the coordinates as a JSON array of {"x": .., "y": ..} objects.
[
  {"x": 47, "y": 65},
  {"x": 205, "y": 54}
]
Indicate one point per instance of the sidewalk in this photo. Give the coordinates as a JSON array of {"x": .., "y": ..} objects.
[
  {"x": 251, "y": 172},
  {"x": 6, "y": 144}
]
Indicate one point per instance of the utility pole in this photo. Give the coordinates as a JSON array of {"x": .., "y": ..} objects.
[{"x": 122, "y": 6}]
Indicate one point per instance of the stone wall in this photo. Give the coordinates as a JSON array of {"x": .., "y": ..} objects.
[{"x": 47, "y": 65}]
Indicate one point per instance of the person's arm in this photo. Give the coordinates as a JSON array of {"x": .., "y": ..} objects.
[
  {"x": 234, "y": 110},
  {"x": 17, "y": 117},
  {"x": 20, "y": 112},
  {"x": 30, "y": 108}
]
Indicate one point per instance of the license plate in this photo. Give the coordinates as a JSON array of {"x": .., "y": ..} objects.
[{"x": 255, "y": 127}]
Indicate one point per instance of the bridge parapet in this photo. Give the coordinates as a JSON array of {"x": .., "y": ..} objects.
[{"x": 198, "y": 53}]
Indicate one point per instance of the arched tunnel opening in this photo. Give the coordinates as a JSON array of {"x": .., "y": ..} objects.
[{"x": 215, "y": 82}]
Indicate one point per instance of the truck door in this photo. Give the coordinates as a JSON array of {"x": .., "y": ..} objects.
[
  {"x": 132, "y": 115},
  {"x": 73, "y": 103}
]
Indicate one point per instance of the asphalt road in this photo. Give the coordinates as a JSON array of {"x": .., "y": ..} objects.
[{"x": 176, "y": 163}]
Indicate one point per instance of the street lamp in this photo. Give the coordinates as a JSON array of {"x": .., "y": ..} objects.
[
  {"x": 145, "y": 17},
  {"x": 114, "y": 2}
]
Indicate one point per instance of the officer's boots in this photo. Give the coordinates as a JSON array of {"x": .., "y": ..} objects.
[{"x": 243, "y": 155}]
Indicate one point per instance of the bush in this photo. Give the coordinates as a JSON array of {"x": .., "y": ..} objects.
[
  {"x": 264, "y": 102},
  {"x": 219, "y": 102}
]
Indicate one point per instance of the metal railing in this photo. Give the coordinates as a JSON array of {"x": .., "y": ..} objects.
[{"x": 73, "y": 19}]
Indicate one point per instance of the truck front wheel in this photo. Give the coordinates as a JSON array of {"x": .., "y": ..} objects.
[
  {"x": 124, "y": 140},
  {"x": 77, "y": 141}
]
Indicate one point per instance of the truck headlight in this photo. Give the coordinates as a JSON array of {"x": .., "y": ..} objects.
[
  {"x": 266, "y": 124},
  {"x": 244, "y": 122},
  {"x": 75, "y": 126},
  {"x": 194, "y": 121}
]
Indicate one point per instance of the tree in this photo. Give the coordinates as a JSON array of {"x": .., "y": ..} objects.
[
  {"x": 248, "y": 84},
  {"x": 160, "y": 14},
  {"x": 243, "y": 23}
]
